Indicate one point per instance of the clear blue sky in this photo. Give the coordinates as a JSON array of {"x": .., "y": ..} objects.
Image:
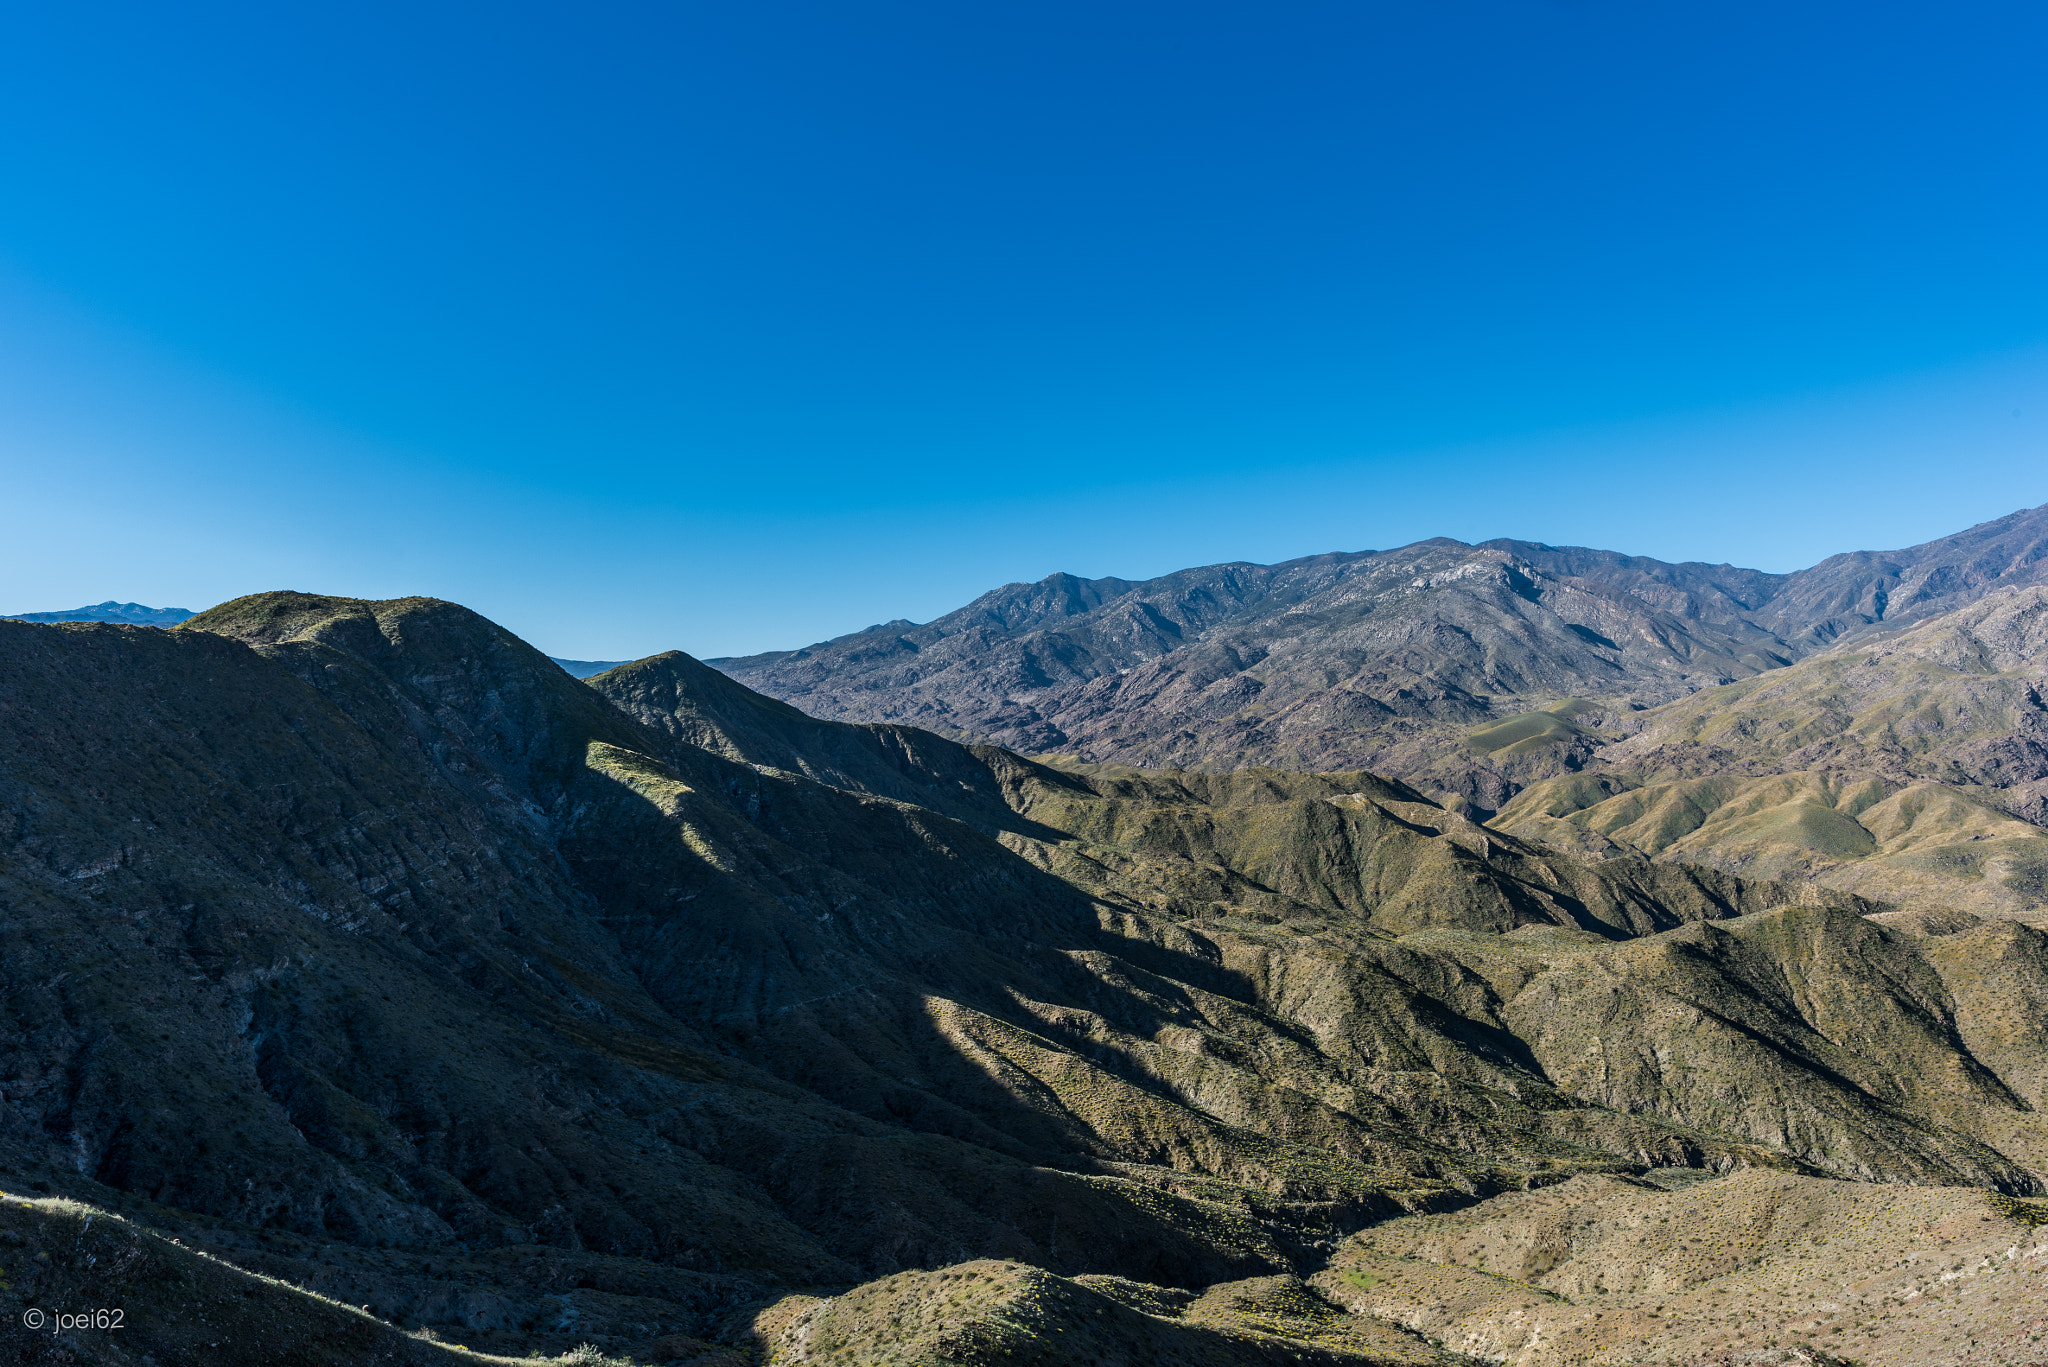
[{"x": 733, "y": 326}]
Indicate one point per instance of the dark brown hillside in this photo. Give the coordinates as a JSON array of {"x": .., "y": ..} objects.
[{"x": 363, "y": 945}]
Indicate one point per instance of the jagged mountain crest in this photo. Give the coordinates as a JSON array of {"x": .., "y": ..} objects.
[
  {"x": 110, "y": 611},
  {"x": 1381, "y": 660}
]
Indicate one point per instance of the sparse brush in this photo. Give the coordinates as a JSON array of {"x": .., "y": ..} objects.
[{"x": 590, "y": 1355}]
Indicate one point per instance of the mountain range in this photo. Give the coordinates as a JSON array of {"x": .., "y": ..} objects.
[
  {"x": 1874, "y": 724},
  {"x": 1387, "y": 660},
  {"x": 134, "y": 614},
  {"x": 376, "y": 988}
]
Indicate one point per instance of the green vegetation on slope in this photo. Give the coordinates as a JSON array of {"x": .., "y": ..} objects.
[
  {"x": 1922, "y": 843},
  {"x": 1532, "y": 733}
]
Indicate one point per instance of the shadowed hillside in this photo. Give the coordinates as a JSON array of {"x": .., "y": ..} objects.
[{"x": 359, "y": 944}]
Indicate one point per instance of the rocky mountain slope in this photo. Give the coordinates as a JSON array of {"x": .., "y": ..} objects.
[
  {"x": 1381, "y": 660},
  {"x": 361, "y": 946},
  {"x": 1911, "y": 764},
  {"x": 1955, "y": 699}
]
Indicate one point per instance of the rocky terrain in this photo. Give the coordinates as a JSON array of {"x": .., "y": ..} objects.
[
  {"x": 363, "y": 950},
  {"x": 1873, "y": 724},
  {"x": 1910, "y": 765},
  {"x": 1752, "y": 1268},
  {"x": 1381, "y": 660}
]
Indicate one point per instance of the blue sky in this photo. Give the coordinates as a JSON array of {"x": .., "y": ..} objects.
[{"x": 731, "y": 327}]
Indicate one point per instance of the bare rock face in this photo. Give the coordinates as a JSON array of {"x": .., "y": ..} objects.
[
  {"x": 1845, "y": 595},
  {"x": 362, "y": 946}
]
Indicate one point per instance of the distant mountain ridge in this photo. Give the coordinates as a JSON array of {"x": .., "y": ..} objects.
[
  {"x": 134, "y": 614},
  {"x": 1372, "y": 659},
  {"x": 584, "y": 669}
]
